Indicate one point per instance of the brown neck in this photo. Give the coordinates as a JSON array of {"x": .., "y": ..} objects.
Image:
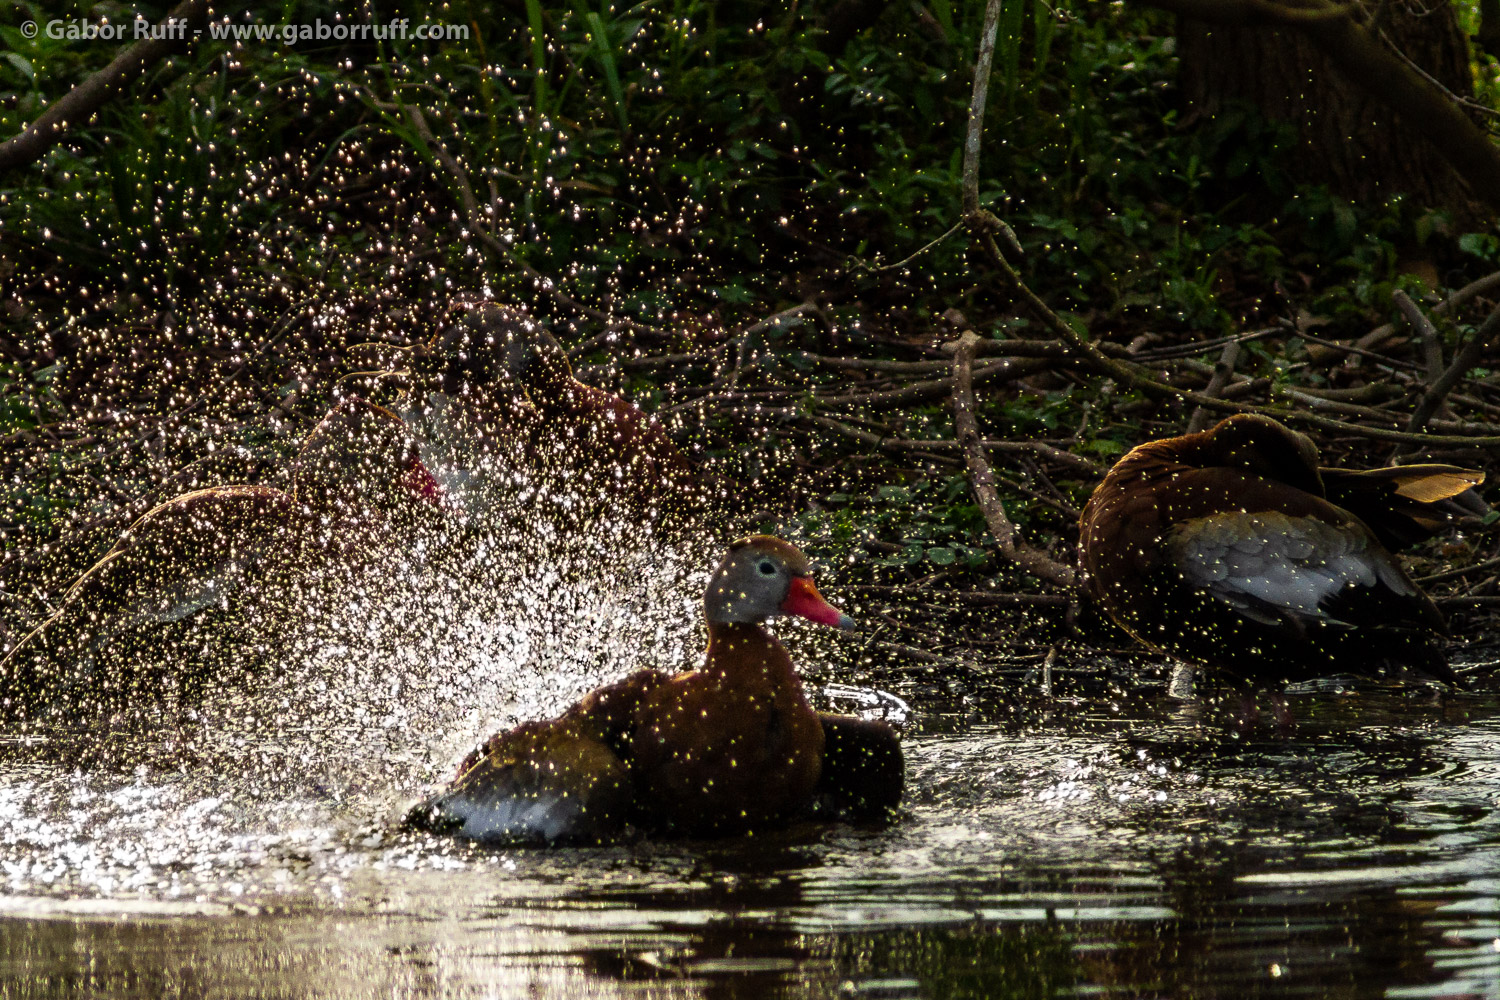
[
  {"x": 734, "y": 647},
  {"x": 1148, "y": 462}
]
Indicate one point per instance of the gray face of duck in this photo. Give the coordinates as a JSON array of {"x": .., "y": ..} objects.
[{"x": 762, "y": 576}]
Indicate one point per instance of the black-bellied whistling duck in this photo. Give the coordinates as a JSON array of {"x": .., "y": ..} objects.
[
  {"x": 356, "y": 473},
  {"x": 730, "y": 747},
  {"x": 496, "y": 374},
  {"x": 1232, "y": 549},
  {"x": 584, "y": 426},
  {"x": 468, "y": 412}
]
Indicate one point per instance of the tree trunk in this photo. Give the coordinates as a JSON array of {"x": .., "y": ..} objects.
[{"x": 1347, "y": 139}]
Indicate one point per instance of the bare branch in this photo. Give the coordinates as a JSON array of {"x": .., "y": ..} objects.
[
  {"x": 975, "y": 135},
  {"x": 1466, "y": 357},
  {"x": 985, "y": 598},
  {"x": 1052, "y": 453},
  {"x": 1223, "y": 371},
  {"x": 1427, "y": 334},
  {"x": 982, "y": 478},
  {"x": 996, "y": 371},
  {"x": 79, "y": 104},
  {"x": 1137, "y": 378},
  {"x": 1453, "y": 301}
]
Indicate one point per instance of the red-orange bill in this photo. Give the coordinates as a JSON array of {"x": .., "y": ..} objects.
[
  {"x": 803, "y": 600},
  {"x": 419, "y": 482}
]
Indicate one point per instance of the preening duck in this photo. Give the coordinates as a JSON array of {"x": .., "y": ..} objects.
[{"x": 1232, "y": 549}]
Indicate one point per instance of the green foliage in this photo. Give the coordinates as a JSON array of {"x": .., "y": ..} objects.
[
  {"x": 1485, "y": 246},
  {"x": 26, "y": 400},
  {"x": 140, "y": 202},
  {"x": 671, "y": 160},
  {"x": 670, "y": 156},
  {"x": 936, "y": 522}
]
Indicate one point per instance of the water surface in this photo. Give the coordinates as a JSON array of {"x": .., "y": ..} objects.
[{"x": 1089, "y": 847}]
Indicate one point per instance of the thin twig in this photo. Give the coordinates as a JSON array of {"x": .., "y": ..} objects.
[
  {"x": 879, "y": 268},
  {"x": 890, "y": 443},
  {"x": 971, "y": 597},
  {"x": 998, "y": 371},
  {"x": 741, "y": 342},
  {"x": 776, "y": 319},
  {"x": 1216, "y": 383},
  {"x": 878, "y": 364},
  {"x": 1450, "y": 574},
  {"x": 1411, "y": 64},
  {"x": 1076, "y": 462},
  {"x": 79, "y": 104},
  {"x": 982, "y": 478},
  {"x": 1356, "y": 353},
  {"x": 1200, "y": 347},
  {"x": 925, "y": 655}
]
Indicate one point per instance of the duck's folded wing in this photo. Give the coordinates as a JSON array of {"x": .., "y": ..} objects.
[
  {"x": 180, "y": 557},
  {"x": 542, "y": 782},
  {"x": 1407, "y": 504},
  {"x": 1289, "y": 571},
  {"x": 863, "y": 772}
]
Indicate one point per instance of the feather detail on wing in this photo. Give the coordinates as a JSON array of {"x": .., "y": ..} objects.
[
  {"x": 1276, "y": 568},
  {"x": 1404, "y": 505}
]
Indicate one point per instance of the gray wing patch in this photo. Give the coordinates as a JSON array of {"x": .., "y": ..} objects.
[
  {"x": 1271, "y": 565},
  {"x": 187, "y": 597},
  {"x": 504, "y": 819}
]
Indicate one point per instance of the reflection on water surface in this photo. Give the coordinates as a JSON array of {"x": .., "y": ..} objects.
[{"x": 1137, "y": 849}]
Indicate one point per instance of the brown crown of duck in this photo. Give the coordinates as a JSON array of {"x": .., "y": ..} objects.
[{"x": 1222, "y": 547}]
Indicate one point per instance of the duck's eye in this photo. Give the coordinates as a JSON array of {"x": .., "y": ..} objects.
[{"x": 767, "y": 568}]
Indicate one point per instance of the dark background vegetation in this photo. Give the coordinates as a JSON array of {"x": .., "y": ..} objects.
[{"x": 188, "y": 276}]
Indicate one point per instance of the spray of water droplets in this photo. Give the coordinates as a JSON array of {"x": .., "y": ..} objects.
[{"x": 329, "y": 693}]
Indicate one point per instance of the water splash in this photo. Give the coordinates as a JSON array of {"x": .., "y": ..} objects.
[{"x": 333, "y": 703}]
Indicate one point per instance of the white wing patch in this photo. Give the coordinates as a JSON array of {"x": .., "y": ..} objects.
[
  {"x": 515, "y": 818},
  {"x": 1293, "y": 564}
]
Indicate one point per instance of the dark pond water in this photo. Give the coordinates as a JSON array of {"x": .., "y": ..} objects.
[{"x": 1149, "y": 848}]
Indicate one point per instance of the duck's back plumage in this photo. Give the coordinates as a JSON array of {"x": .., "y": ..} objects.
[{"x": 1228, "y": 553}]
